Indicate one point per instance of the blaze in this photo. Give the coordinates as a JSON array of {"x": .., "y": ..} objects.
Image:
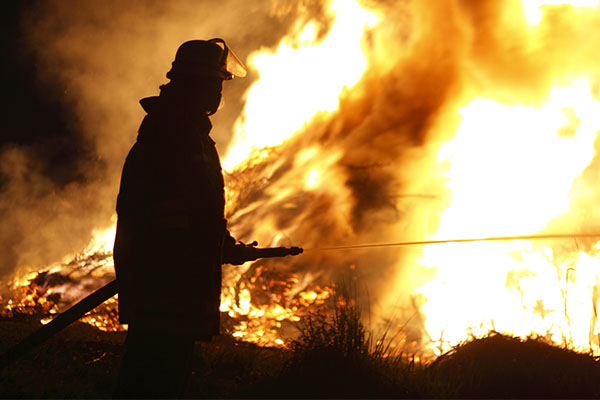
[
  {"x": 302, "y": 77},
  {"x": 510, "y": 172},
  {"x": 512, "y": 167},
  {"x": 534, "y": 9}
]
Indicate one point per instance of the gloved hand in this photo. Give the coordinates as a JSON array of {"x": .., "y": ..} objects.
[{"x": 240, "y": 253}]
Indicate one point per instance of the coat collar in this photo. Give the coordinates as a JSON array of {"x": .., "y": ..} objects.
[{"x": 178, "y": 110}]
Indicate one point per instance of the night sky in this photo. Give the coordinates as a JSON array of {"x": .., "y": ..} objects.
[{"x": 35, "y": 113}]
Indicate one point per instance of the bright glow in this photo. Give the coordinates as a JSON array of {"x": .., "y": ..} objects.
[
  {"x": 103, "y": 240},
  {"x": 511, "y": 170},
  {"x": 312, "y": 179},
  {"x": 534, "y": 8},
  {"x": 299, "y": 79}
]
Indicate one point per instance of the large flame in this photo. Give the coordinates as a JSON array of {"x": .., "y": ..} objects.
[
  {"x": 511, "y": 169},
  {"x": 534, "y": 8},
  {"x": 302, "y": 77}
]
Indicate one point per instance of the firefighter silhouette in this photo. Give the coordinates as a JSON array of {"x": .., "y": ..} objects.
[{"x": 171, "y": 232}]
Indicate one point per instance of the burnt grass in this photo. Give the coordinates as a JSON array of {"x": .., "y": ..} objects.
[{"x": 333, "y": 357}]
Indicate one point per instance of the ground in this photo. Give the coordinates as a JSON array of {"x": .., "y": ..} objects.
[{"x": 83, "y": 362}]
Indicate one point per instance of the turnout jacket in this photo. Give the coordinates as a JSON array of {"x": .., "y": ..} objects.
[{"x": 171, "y": 228}]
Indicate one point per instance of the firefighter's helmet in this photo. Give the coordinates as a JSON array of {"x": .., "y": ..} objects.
[{"x": 209, "y": 58}]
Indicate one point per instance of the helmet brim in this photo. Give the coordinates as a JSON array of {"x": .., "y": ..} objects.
[
  {"x": 206, "y": 59},
  {"x": 231, "y": 64},
  {"x": 234, "y": 65}
]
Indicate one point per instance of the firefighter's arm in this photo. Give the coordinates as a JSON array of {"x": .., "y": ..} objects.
[{"x": 237, "y": 253}]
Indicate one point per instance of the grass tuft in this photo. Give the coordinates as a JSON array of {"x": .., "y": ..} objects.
[{"x": 334, "y": 357}]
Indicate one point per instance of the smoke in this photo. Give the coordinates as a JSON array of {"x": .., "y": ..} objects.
[{"x": 102, "y": 57}]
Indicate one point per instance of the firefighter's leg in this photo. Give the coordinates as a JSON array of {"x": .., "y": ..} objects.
[{"x": 156, "y": 364}]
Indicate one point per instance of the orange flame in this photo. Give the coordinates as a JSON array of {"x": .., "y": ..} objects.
[
  {"x": 511, "y": 169},
  {"x": 302, "y": 77},
  {"x": 534, "y": 9}
]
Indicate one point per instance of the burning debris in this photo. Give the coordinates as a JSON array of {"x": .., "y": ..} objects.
[
  {"x": 258, "y": 305},
  {"x": 49, "y": 292},
  {"x": 264, "y": 304}
]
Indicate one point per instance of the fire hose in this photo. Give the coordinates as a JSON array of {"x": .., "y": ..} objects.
[
  {"x": 484, "y": 239},
  {"x": 94, "y": 300},
  {"x": 107, "y": 291}
]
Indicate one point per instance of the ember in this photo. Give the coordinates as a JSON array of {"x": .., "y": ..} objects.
[{"x": 256, "y": 304}]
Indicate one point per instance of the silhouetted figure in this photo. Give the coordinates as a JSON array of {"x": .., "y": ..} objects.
[{"x": 171, "y": 232}]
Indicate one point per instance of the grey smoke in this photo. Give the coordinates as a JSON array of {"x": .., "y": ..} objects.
[{"x": 104, "y": 56}]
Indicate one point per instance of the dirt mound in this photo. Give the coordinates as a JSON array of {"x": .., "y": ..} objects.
[{"x": 503, "y": 366}]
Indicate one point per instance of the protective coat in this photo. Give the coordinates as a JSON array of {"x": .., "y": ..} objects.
[{"x": 171, "y": 226}]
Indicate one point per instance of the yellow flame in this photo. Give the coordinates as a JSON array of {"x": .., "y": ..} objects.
[
  {"x": 312, "y": 178},
  {"x": 511, "y": 169},
  {"x": 299, "y": 79},
  {"x": 103, "y": 239},
  {"x": 534, "y": 8},
  {"x": 512, "y": 166}
]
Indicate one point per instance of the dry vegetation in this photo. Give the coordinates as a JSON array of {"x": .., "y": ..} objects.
[{"x": 333, "y": 357}]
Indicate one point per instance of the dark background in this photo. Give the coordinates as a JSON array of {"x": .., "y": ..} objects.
[{"x": 35, "y": 113}]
